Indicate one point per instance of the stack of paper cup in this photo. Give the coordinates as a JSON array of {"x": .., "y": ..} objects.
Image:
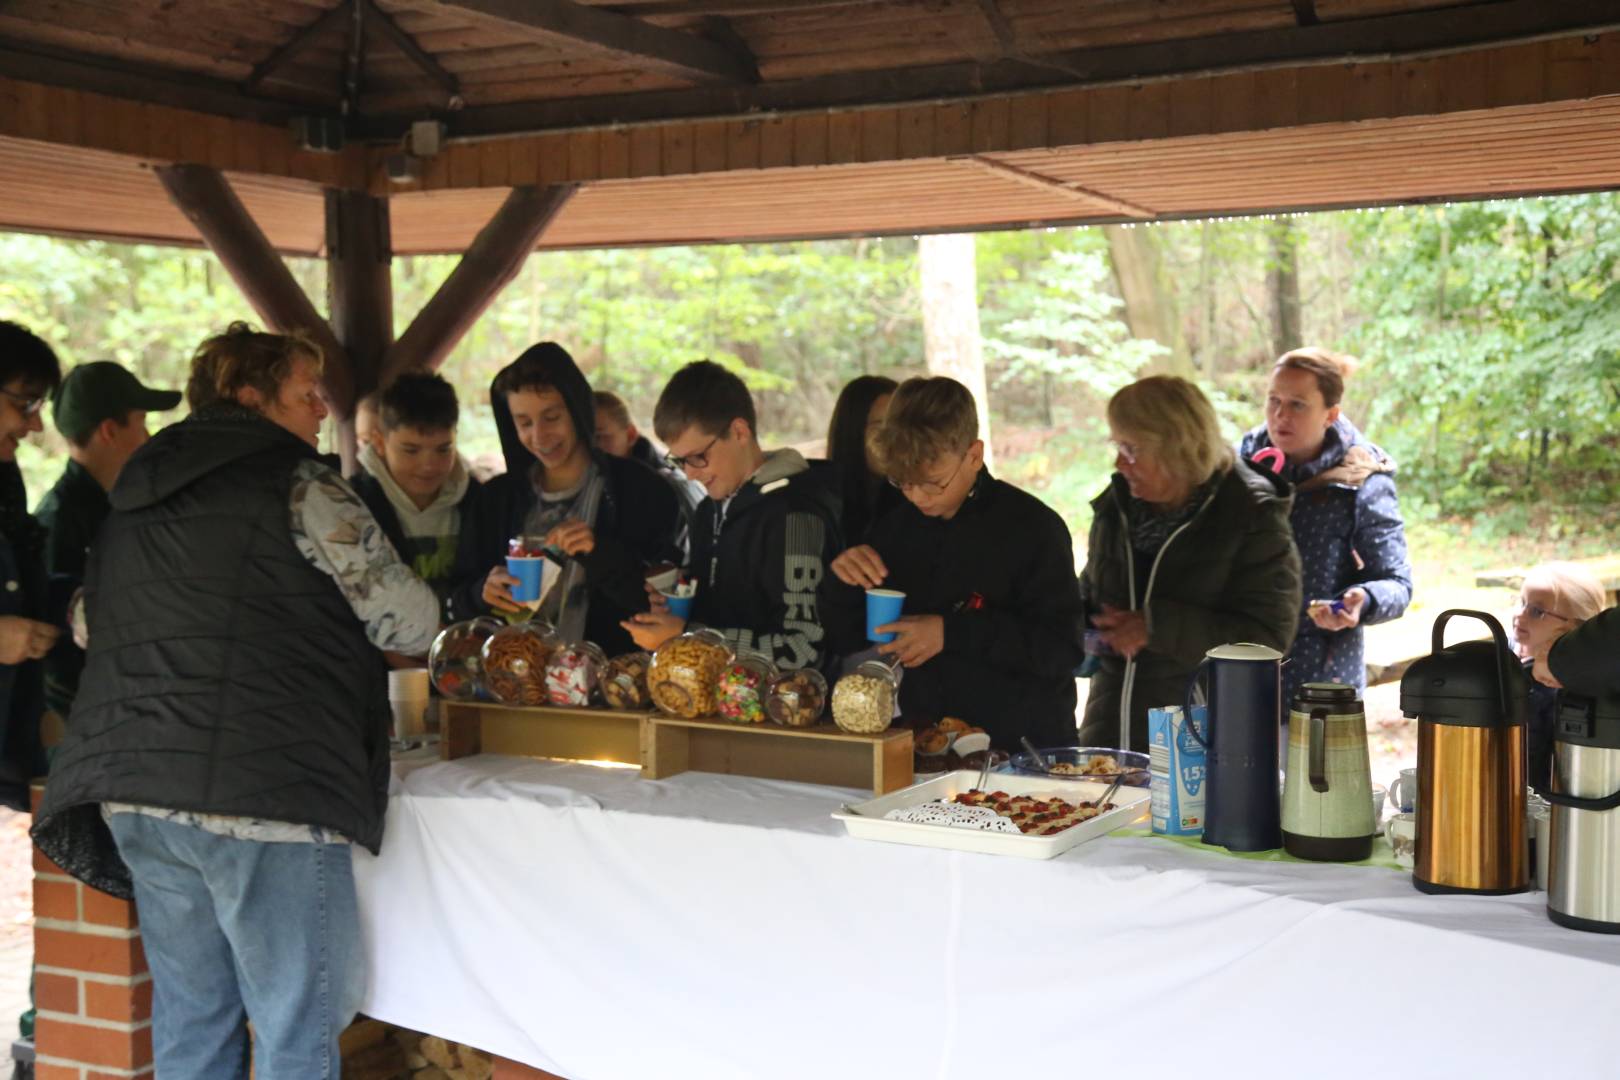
[{"x": 408, "y": 697}]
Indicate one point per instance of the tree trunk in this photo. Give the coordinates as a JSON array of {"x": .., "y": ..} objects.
[
  {"x": 1207, "y": 345},
  {"x": 1150, "y": 306},
  {"x": 1283, "y": 277},
  {"x": 950, "y": 309}
]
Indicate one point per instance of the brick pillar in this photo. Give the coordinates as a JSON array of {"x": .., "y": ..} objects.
[{"x": 90, "y": 982}]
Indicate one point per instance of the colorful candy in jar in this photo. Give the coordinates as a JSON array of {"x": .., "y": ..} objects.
[{"x": 740, "y": 695}]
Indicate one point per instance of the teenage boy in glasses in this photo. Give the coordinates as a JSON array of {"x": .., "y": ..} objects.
[
  {"x": 762, "y": 535},
  {"x": 991, "y": 629}
]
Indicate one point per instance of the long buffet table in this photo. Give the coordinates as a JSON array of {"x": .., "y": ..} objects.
[{"x": 600, "y": 926}]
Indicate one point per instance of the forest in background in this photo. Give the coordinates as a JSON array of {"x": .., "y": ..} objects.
[{"x": 1489, "y": 334}]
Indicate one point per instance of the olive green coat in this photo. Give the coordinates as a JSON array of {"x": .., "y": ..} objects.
[{"x": 1230, "y": 574}]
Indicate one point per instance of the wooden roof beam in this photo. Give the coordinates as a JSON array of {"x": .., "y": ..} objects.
[
  {"x": 417, "y": 55},
  {"x": 1305, "y": 12},
  {"x": 298, "y": 44},
  {"x": 1384, "y": 37},
  {"x": 207, "y": 199},
  {"x": 649, "y": 47},
  {"x": 1068, "y": 189},
  {"x": 490, "y": 263}
]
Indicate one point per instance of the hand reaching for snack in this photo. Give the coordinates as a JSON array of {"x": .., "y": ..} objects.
[{"x": 861, "y": 566}]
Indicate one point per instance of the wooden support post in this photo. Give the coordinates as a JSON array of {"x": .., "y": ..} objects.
[
  {"x": 488, "y": 266},
  {"x": 360, "y": 295},
  {"x": 204, "y": 196}
]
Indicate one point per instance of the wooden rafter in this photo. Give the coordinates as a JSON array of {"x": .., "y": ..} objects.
[
  {"x": 298, "y": 44},
  {"x": 417, "y": 55},
  {"x": 1042, "y": 182},
  {"x": 490, "y": 262},
  {"x": 1000, "y": 29},
  {"x": 1305, "y": 12},
  {"x": 649, "y": 47},
  {"x": 207, "y": 199}
]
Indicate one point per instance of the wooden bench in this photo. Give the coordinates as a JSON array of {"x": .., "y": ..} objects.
[{"x": 1606, "y": 568}]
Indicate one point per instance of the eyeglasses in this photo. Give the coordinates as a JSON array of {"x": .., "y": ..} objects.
[
  {"x": 699, "y": 460},
  {"x": 932, "y": 487},
  {"x": 1125, "y": 450},
  {"x": 1537, "y": 612},
  {"x": 29, "y": 405}
]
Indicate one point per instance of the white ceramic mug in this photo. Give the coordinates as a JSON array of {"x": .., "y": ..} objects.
[
  {"x": 1378, "y": 805},
  {"x": 1401, "y": 832},
  {"x": 1403, "y": 793}
]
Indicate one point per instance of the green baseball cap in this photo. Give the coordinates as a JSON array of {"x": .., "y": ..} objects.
[{"x": 102, "y": 390}]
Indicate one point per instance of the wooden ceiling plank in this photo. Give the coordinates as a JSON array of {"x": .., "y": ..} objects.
[
  {"x": 1381, "y": 38},
  {"x": 642, "y": 43}
]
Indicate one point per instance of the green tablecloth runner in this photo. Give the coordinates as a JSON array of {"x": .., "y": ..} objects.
[{"x": 1381, "y": 856}]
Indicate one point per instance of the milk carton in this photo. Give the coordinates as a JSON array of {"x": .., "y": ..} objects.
[{"x": 1176, "y": 772}]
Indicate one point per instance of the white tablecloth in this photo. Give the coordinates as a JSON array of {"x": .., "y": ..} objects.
[{"x": 600, "y": 926}]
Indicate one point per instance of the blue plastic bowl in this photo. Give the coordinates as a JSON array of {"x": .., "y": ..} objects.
[{"x": 1135, "y": 765}]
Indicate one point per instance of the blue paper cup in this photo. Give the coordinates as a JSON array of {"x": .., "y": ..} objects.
[
  {"x": 883, "y": 606},
  {"x": 528, "y": 570},
  {"x": 680, "y": 606}
]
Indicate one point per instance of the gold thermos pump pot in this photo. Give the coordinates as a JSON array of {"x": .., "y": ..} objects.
[{"x": 1472, "y": 703}]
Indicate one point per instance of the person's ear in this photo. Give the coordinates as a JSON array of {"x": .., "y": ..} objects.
[
  {"x": 375, "y": 438},
  {"x": 249, "y": 397},
  {"x": 976, "y": 452},
  {"x": 740, "y": 429},
  {"x": 107, "y": 431},
  {"x": 1333, "y": 416},
  {"x": 631, "y": 433}
]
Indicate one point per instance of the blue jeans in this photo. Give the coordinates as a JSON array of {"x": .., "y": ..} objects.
[{"x": 238, "y": 931}]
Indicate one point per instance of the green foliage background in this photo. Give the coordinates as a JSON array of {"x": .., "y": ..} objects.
[{"x": 1489, "y": 334}]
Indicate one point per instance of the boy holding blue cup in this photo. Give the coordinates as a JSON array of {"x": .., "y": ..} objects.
[{"x": 970, "y": 583}]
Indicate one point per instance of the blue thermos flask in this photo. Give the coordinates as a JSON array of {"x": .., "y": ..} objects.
[{"x": 1242, "y": 809}]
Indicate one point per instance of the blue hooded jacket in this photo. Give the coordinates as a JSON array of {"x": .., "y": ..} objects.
[{"x": 1347, "y": 524}]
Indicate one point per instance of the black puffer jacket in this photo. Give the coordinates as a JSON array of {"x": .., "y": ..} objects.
[
  {"x": 637, "y": 520},
  {"x": 226, "y": 674},
  {"x": 1230, "y": 574}
]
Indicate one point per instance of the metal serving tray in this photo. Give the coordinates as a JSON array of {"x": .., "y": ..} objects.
[{"x": 866, "y": 820}]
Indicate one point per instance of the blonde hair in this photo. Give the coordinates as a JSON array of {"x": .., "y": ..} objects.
[
  {"x": 243, "y": 357},
  {"x": 926, "y": 419},
  {"x": 1577, "y": 593},
  {"x": 1329, "y": 368},
  {"x": 612, "y": 406},
  {"x": 1170, "y": 418}
]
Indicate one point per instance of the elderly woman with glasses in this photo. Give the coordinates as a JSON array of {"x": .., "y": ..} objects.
[
  {"x": 1555, "y": 598},
  {"x": 1190, "y": 548}
]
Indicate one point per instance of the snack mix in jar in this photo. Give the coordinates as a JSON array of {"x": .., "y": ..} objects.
[
  {"x": 740, "y": 696},
  {"x": 515, "y": 659},
  {"x": 685, "y": 671},
  {"x": 574, "y": 673},
  {"x": 863, "y": 700},
  {"x": 454, "y": 660},
  {"x": 797, "y": 698},
  {"x": 624, "y": 681}
]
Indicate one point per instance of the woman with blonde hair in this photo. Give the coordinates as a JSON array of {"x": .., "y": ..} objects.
[
  {"x": 1190, "y": 548},
  {"x": 1556, "y": 597},
  {"x": 1346, "y": 518}
]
